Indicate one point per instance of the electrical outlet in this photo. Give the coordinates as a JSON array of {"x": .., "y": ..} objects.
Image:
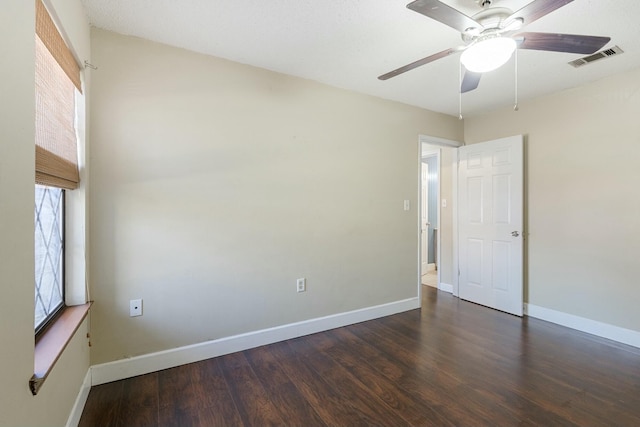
[
  {"x": 135, "y": 307},
  {"x": 301, "y": 284}
]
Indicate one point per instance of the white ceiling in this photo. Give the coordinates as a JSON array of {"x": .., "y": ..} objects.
[{"x": 348, "y": 43}]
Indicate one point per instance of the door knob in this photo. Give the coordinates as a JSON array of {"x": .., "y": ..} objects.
[{"x": 515, "y": 233}]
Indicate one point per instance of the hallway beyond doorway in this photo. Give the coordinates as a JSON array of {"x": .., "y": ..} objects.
[{"x": 430, "y": 279}]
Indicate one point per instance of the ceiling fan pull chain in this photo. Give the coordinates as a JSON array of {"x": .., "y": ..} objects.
[
  {"x": 515, "y": 106},
  {"x": 460, "y": 93}
]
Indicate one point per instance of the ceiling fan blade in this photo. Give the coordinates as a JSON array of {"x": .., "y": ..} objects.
[
  {"x": 418, "y": 63},
  {"x": 441, "y": 12},
  {"x": 536, "y": 10},
  {"x": 470, "y": 81},
  {"x": 569, "y": 43}
]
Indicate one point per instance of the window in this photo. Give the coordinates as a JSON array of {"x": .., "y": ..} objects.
[
  {"x": 49, "y": 254},
  {"x": 60, "y": 211},
  {"x": 57, "y": 80}
]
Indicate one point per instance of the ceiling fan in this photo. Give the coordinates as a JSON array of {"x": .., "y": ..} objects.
[{"x": 491, "y": 37}]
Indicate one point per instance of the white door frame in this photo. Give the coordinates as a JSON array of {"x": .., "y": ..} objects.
[
  {"x": 455, "y": 266},
  {"x": 424, "y": 213},
  {"x": 437, "y": 142}
]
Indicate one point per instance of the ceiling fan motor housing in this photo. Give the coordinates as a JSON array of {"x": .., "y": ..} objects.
[{"x": 490, "y": 19}]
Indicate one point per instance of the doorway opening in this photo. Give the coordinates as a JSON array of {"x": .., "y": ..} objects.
[
  {"x": 441, "y": 268},
  {"x": 429, "y": 216}
]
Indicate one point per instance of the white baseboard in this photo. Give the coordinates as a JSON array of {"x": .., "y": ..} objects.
[
  {"x": 81, "y": 399},
  {"x": 139, "y": 365},
  {"x": 446, "y": 287},
  {"x": 604, "y": 330}
]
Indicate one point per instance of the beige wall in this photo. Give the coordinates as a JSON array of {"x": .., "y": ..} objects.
[
  {"x": 215, "y": 185},
  {"x": 55, "y": 400},
  {"x": 582, "y": 150}
]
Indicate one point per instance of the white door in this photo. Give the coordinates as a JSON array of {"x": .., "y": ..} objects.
[
  {"x": 490, "y": 218},
  {"x": 424, "y": 220}
]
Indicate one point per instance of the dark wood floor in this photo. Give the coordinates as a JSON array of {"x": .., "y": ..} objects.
[{"x": 452, "y": 363}]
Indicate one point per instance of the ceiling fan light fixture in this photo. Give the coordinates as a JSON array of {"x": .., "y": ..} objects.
[{"x": 488, "y": 54}]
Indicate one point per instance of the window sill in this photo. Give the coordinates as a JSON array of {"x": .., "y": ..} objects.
[{"x": 53, "y": 341}]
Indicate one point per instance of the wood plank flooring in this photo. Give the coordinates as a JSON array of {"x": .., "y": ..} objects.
[{"x": 452, "y": 363}]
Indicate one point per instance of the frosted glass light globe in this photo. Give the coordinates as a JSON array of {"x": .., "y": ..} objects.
[{"x": 489, "y": 54}]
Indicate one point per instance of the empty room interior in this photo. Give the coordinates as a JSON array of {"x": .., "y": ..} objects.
[{"x": 327, "y": 213}]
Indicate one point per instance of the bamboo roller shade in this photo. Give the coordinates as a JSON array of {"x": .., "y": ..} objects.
[
  {"x": 56, "y": 75},
  {"x": 48, "y": 33}
]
